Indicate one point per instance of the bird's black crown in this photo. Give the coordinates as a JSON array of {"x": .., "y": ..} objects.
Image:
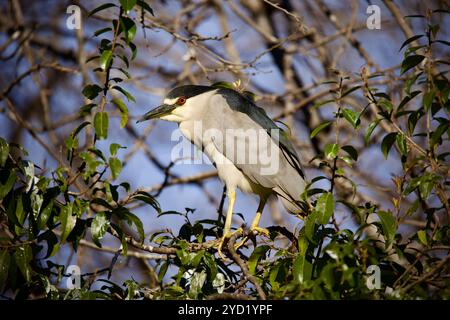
[{"x": 188, "y": 91}]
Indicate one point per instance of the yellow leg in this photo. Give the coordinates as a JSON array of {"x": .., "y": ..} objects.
[
  {"x": 229, "y": 217},
  {"x": 254, "y": 226},
  {"x": 255, "y": 222},
  {"x": 227, "y": 229}
]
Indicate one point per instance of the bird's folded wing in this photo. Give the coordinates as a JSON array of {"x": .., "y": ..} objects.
[{"x": 246, "y": 115}]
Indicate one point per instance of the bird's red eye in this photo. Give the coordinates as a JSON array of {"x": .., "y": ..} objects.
[{"x": 181, "y": 101}]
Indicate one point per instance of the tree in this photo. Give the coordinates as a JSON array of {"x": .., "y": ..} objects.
[{"x": 71, "y": 225}]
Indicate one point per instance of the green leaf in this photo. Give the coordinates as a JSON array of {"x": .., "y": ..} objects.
[
  {"x": 223, "y": 84},
  {"x": 102, "y": 202},
  {"x": 197, "y": 258},
  {"x": 302, "y": 269},
  {"x": 113, "y": 147},
  {"x": 352, "y": 117},
  {"x": 325, "y": 207},
  {"x": 331, "y": 150},
  {"x": 125, "y": 93},
  {"x": 102, "y": 7},
  {"x": 145, "y": 6},
  {"x": 310, "y": 225},
  {"x": 99, "y": 226},
  {"x": 79, "y": 128},
  {"x": 257, "y": 255},
  {"x": 133, "y": 219},
  {"x": 426, "y": 185},
  {"x": 91, "y": 91},
  {"x": 321, "y": 103},
  {"x": 401, "y": 144},
  {"x": 123, "y": 111},
  {"x": 132, "y": 289},
  {"x": 410, "y": 62},
  {"x": 86, "y": 109},
  {"x": 428, "y": 99},
  {"x": 101, "y": 125},
  {"x": 370, "y": 130},
  {"x": 67, "y": 221},
  {"x": 105, "y": 59},
  {"x": 20, "y": 212},
  {"x": 23, "y": 257},
  {"x": 410, "y": 81},
  {"x": 273, "y": 276},
  {"x": 101, "y": 31},
  {"x": 4, "y": 152},
  {"x": 320, "y": 128},
  {"x": 327, "y": 275},
  {"x": 421, "y": 16},
  {"x": 385, "y": 104},
  {"x": 413, "y": 50},
  {"x": 219, "y": 283},
  {"x": 95, "y": 57},
  {"x": 196, "y": 285},
  {"x": 45, "y": 214},
  {"x": 347, "y": 92},
  {"x": 4, "y": 267},
  {"x": 408, "y": 41},
  {"x": 210, "y": 263},
  {"x": 162, "y": 271},
  {"x": 352, "y": 152},
  {"x": 434, "y": 29},
  {"x": 443, "y": 42},
  {"x": 11, "y": 211},
  {"x": 388, "y": 225},
  {"x": 116, "y": 167},
  {"x": 97, "y": 152},
  {"x": 441, "y": 11},
  {"x": 387, "y": 143},
  {"x": 407, "y": 99},
  {"x": 125, "y": 72},
  {"x": 147, "y": 198},
  {"x": 127, "y": 5},
  {"x": 71, "y": 144},
  {"x": 422, "y": 235},
  {"x": 27, "y": 169},
  {"x": 106, "y": 44},
  {"x": 302, "y": 242},
  {"x": 436, "y": 135},
  {"x": 129, "y": 29},
  {"x": 412, "y": 185},
  {"x": 383, "y": 95},
  {"x": 133, "y": 49},
  {"x": 6, "y": 187},
  {"x": 412, "y": 120}
]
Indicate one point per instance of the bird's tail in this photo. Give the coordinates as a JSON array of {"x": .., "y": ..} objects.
[{"x": 289, "y": 194}]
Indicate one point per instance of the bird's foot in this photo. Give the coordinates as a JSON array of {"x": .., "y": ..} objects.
[
  {"x": 260, "y": 231},
  {"x": 253, "y": 232},
  {"x": 225, "y": 239}
]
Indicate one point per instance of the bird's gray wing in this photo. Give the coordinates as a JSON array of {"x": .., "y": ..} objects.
[
  {"x": 249, "y": 145},
  {"x": 244, "y": 105}
]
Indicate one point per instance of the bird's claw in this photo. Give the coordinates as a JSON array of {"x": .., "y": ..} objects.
[
  {"x": 225, "y": 239},
  {"x": 261, "y": 231},
  {"x": 253, "y": 232}
]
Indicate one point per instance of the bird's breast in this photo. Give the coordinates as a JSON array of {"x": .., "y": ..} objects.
[{"x": 226, "y": 169}]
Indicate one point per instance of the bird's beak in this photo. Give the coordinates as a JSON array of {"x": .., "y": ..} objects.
[{"x": 158, "y": 112}]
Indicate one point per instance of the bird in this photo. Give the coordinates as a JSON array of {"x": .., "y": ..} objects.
[{"x": 249, "y": 151}]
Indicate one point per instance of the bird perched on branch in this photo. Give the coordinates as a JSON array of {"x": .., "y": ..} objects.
[{"x": 248, "y": 149}]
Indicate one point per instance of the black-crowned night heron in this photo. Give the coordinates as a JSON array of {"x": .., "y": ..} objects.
[{"x": 248, "y": 149}]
